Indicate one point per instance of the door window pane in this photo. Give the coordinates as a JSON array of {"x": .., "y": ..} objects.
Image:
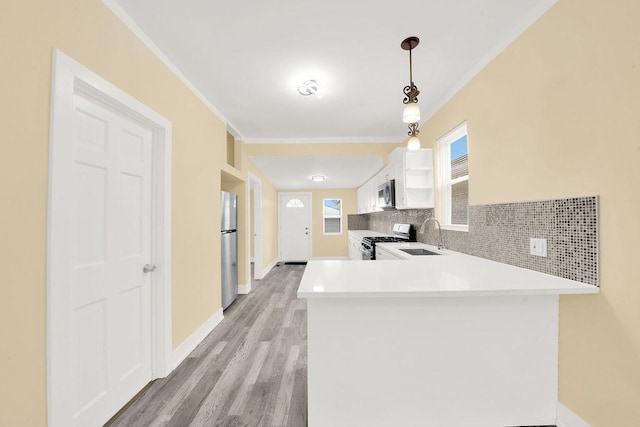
[{"x": 295, "y": 203}]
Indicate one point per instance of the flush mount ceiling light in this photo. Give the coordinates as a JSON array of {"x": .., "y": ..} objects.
[
  {"x": 310, "y": 87},
  {"x": 411, "y": 113},
  {"x": 318, "y": 178}
]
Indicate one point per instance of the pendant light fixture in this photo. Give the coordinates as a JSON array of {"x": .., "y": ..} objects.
[{"x": 411, "y": 113}]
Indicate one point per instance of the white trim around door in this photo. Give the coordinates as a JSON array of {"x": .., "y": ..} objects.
[
  {"x": 69, "y": 80},
  {"x": 255, "y": 185}
]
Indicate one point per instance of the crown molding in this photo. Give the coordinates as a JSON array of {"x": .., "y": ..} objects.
[
  {"x": 121, "y": 14},
  {"x": 332, "y": 140}
]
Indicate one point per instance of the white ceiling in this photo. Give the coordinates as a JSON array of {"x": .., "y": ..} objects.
[
  {"x": 294, "y": 172},
  {"x": 246, "y": 58}
]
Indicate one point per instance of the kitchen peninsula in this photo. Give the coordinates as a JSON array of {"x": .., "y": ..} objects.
[{"x": 447, "y": 340}]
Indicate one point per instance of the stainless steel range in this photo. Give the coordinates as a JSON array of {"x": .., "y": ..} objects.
[{"x": 401, "y": 233}]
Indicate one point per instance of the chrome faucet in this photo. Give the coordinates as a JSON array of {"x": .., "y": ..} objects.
[{"x": 440, "y": 241}]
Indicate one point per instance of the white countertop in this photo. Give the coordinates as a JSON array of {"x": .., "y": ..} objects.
[{"x": 451, "y": 274}]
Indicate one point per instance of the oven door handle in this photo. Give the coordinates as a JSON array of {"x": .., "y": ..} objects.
[{"x": 366, "y": 250}]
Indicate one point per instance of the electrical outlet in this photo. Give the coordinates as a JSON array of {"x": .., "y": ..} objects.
[{"x": 538, "y": 247}]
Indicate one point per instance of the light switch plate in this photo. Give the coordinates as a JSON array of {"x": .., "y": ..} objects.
[{"x": 538, "y": 247}]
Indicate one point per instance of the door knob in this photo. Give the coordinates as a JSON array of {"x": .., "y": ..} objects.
[{"x": 148, "y": 268}]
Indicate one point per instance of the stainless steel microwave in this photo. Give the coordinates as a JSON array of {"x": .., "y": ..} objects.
[{"x": 387, "y": 195}]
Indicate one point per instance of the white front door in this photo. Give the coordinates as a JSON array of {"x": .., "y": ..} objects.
[
  {"x": 109, "y": 299},
  {"x": 295, "y": 226}
]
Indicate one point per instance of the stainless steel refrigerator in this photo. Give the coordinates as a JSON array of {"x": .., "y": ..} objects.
[{"x": 229, "y": 237}]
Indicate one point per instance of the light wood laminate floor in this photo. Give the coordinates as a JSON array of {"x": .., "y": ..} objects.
[{"x": 250, "y": 371}]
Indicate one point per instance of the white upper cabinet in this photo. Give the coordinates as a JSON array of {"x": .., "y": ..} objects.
[
  {"x": 413, "y": 172},
  {"x": 414, "y": 178},
  {"x": 360, "y": 196},
  {"x": 367, "y": 197}
]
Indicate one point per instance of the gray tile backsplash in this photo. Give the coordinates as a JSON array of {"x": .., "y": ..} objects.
[
  {"x": 357, "y": 222},
  {"x": 501, "y": 233}
]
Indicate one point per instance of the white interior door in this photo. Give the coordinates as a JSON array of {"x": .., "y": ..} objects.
[
  {"x": 295, "y": 227},
  {"x": 109, "y": 307}
]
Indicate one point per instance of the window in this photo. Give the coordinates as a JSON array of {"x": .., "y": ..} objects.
[
  {"x": 332, "y": 216},
  {"x": 295, "y": 203},
  {"x": 453, "y": 179}
]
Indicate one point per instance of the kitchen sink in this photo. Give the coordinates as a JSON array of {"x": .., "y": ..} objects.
[{"x": 419, "y": 251}]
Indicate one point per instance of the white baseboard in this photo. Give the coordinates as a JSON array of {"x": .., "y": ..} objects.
[
  {"x": 566, "y": 418},
  {"x": 188, "y": 345},
  {"x": 244, "y": 289},
  {"x": 267, "y": 269},
  {"x": 329, "y": 258}
]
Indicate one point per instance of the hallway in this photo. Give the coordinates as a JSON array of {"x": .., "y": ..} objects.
[{"x": 250, "y": 371}]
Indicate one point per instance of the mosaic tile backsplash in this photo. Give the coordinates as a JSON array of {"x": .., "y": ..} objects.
[{"x": 501, "y": 233}]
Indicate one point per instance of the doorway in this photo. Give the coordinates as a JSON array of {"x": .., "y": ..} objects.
[
  {"x": 294, "y": 226},
  {"x": 108, "y": 247},
  {"x": 256, "y": 269}
]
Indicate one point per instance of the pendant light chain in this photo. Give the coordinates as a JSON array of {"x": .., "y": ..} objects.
[
  {"x": 410, "y": 69},
  {"x": 411, "y": 92}
]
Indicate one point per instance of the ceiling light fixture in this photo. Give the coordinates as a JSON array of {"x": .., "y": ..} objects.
[
  {"x": 413, "y": 143},
  {"x": 411, "y": 113},
  {"x": 318, "y": 178},
  {"x": 310, "y": 87}
]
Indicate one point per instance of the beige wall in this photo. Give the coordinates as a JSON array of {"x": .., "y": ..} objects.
[
  {"x": 231, "y": 150},
  {"x": 320, "y": 149},
  {"x": 557, "y": 115},
  {"x": 87, "y": 31},
  {"x": 330, "y": 246}
]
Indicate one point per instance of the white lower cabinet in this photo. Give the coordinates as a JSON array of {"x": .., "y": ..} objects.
[
  {"x": 354, "y": 244},
  {"x": 382, "y": 254}
]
